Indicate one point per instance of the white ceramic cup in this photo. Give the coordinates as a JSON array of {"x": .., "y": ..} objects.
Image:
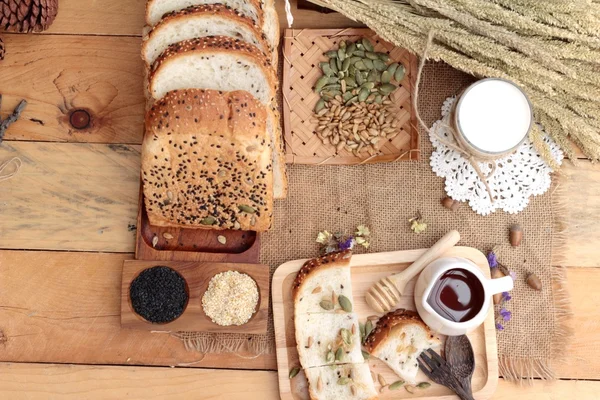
[{"x": 429, "y": 277}]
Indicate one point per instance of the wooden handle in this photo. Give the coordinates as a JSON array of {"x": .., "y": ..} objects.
[{"x": 440, "y": 247}]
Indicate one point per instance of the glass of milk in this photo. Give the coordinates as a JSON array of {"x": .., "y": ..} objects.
[{"x": 492, "y": 118}]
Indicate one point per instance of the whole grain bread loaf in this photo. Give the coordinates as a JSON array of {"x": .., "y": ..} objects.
[
  {"x": 226, "y": 64},
  {"x": 207, "y": 162},
  {"x": 201, "y": 21}
]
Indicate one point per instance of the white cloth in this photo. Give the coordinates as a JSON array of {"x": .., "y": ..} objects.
[{"x": 517, "y": 176}]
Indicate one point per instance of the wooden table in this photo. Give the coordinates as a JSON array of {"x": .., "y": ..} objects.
[{"x": 67, "y": 222}]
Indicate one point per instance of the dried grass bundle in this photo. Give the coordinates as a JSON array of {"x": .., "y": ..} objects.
[{"x": 550, "y": 48}]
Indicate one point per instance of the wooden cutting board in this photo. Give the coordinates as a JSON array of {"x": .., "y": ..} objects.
[{"x": 366, "y": 270}]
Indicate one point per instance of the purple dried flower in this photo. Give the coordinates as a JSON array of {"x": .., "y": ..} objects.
[
  {"x": 347, "y": 244},
  {"x": 492, "y": 259},
  {"x": 506, "y": 315},
  {"x": 506, "y": 296},
  {"x": 499, "y": 326},
  {"x": 513, "y": 275}
]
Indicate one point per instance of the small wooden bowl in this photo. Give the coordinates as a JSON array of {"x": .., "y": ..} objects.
[{"x": 197, "y": 276}]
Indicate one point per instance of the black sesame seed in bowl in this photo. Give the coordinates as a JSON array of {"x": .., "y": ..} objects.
[{"x": 159, "y": 294}]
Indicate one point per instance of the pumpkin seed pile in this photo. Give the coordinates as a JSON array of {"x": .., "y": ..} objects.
[{"x": 355, "y": 112}]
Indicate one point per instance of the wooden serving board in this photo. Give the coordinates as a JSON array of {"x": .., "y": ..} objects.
[
  {"x": 366, "y": 270},
  {"x": 197, "y": 276},
  {"x": 182, "y": 244},
  {"x": 302, "y": 52}
]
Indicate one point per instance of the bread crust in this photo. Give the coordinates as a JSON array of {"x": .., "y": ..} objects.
[
  {"x": 204, "y": 154},
  {"x": 332, "y": 260},
  {"x": 256, "y": 3},
  {"x": 217, "y": 44},
  {"x": 212, "y": 10},
  {"x": 389, "y": 321}
]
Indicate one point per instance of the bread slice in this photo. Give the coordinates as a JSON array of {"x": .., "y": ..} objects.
[
  {"x": 207, "y": 162},
  {"x": 320, "y": 335},
  {"x": 398, "y": 339},
  {"x": 201, "y": 21},
  {"x": 319, "y": 279},
  {"x": 156, "y": 9},
  {"x": 262, "y": 13},
  {"x": 271, "y": 29},
  {"x": 226, "y": 64},
  {"x": 341, "y": 382},
  {"x": 280, "y": 179},
  {"x": 214, "y": 62}
]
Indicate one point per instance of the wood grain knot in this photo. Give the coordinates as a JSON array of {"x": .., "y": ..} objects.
[{"x": 80, "y": 119}]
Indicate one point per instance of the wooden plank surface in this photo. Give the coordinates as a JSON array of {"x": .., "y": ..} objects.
[
  {"x": 59, "y": 74},
  {"x": 75, "y": 382},
  {"x": 66, "y": 307},
  {"x": 581, "y": 193},
  {"x": 70, "y": 197}
]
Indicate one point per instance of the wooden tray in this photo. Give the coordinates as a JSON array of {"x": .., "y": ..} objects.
[
  {"x": 303, "y": 50},
  {"x": 366, "y": 270},
  {"x": 197, "y": 276},
  {"x": 193, "y": 244}
]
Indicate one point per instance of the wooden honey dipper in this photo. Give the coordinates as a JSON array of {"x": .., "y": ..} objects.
[{"x": 386, "y": 293}]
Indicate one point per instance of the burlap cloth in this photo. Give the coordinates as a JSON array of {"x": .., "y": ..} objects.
[{"x": 383, "y": 197}]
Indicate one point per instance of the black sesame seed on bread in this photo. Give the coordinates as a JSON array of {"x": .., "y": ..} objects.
[{"x": 206, "y": 161}]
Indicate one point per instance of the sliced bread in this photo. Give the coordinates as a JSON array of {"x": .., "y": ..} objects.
[
  {"x": 226, "y": 64},
  {"x": 324, "y": 278},
  {"x": 327, "y": 339},
  {"x": 341, "y": 382},
  {"x": 214, "y": 62},
  {"x": 262, "y": 13},
  {"x": 207, "y": 162},
  {"x": 156, "y": 9},
  {"x": 398, "y": 339},
  {"x": 201, "y": 21}
]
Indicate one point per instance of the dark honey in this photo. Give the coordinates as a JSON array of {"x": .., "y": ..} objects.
[{"x": 457, "y": 295}]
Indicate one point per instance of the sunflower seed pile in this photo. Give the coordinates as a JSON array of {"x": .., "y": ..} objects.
[
  {"x": 357, "y": 128},
  {"x": 355, "y": 112}
]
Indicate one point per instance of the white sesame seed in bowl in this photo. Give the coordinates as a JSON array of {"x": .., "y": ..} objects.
[{"x": 231, "y": 298}]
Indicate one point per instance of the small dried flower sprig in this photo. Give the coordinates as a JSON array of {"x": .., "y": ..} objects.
[
  {"x": 417, "y": 225},
  {"x": 504, "y": 315},
  {"x": 339, "y": 241}
]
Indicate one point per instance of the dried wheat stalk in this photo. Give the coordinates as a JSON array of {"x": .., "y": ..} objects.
[{"x": 551, "y": 48}]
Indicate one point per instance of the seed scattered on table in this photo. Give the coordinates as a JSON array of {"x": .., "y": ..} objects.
[{"x": 230, "y": 299}]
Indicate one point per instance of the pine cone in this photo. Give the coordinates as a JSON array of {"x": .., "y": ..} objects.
[
  {"x": 2, "y": 50},
  {"x": 27, "y": 15}
]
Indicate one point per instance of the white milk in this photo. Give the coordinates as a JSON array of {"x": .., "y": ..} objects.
[{"x": 494, "y": 115}]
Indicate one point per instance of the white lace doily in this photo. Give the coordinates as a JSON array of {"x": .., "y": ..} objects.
[{"x": 517, "y": 177}]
